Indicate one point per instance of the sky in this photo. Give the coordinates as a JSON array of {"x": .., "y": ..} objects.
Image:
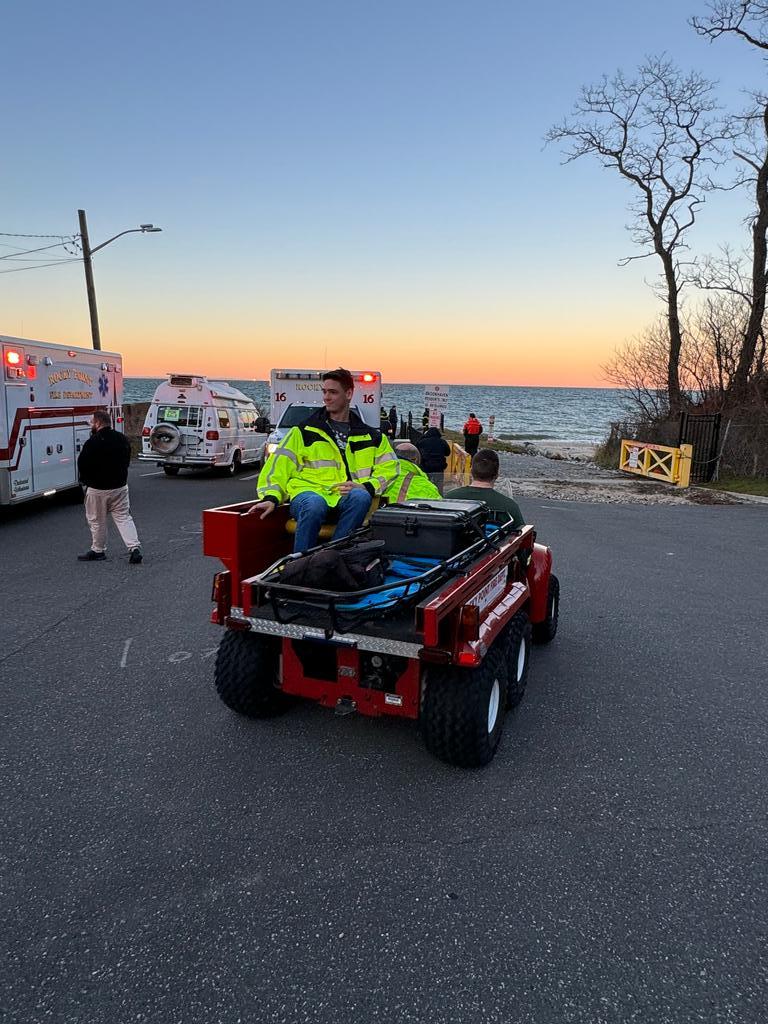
[{"x": 338, "y": 182}]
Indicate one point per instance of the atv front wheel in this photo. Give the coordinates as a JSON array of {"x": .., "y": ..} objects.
[
  {"x": 544, "y": 632},
  {"x": 463, "y": 711},
  {"x": 246, "y": 674}
]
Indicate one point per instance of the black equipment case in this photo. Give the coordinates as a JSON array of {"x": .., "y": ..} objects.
[{"x": 430, "y": 529}]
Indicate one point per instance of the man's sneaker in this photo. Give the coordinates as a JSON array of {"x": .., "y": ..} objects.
[
  {"x": 135, "y": 556},
  {"x": 92, "y": 556}
]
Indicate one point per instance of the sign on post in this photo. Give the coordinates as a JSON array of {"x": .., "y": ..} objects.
[{"x": 436, "y": 401}]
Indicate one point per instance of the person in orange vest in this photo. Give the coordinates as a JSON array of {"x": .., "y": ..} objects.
[{"x": 473, "y": 428}]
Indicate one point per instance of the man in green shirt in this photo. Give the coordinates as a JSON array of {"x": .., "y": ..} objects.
[{"x": 484, "y": 474}]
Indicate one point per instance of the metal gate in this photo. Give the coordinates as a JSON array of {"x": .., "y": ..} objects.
[{"x": 703, "y": 432}]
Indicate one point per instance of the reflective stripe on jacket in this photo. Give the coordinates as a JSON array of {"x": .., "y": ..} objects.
[
  {"x": 308, "y": 459},
  {"x": 411, "y": 482}
]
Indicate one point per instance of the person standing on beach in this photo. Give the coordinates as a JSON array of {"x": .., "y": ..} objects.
[
  {"x": 484, "y": 474},
  {"x": 473, "y": 428},
  {"x": 102, "y": 468},
  {"x": 393, "y": 422}
]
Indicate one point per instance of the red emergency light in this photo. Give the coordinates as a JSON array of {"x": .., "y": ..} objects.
[
  {"x": 12, "y": 357},
  {"x": 368, "y": 378}
]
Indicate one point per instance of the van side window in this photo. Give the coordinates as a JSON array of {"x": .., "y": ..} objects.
[{"x": 223, "y": 417}]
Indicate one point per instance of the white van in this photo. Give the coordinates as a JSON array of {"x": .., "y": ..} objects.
[
  {"x": 297, "y": 394},
  {"x": 196, "y": 423}
]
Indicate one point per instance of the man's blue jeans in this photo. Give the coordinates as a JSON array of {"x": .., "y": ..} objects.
[{"x": 310, "y": 511}]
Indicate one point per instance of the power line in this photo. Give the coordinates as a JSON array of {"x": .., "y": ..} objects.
[
  {"x": 12, "y": 234},
  {"x": 42, "y": 248},
  {"x": 57, "y": 263}
]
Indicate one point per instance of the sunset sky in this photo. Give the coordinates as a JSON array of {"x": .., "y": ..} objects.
[{"x": 338, "y": 182}]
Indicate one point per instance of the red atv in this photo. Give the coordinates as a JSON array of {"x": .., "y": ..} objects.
[{"x": 445, "y": 641}]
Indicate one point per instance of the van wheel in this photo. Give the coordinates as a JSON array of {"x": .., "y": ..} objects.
[
  {"x": 235, "y": 465},
  {"x": 246, "y": 674},
  {"x": 545, "y": 631},
  {"x": 463, "y": 710},
  {"x": 171, "y": 470}
]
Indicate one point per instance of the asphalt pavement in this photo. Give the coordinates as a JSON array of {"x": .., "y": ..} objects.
[{"x": 166, "y": 861}]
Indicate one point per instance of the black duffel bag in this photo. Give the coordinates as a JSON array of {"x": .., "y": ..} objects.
[{"x": 338, "y": 569}]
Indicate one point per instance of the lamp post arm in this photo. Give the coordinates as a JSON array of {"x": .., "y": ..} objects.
[{"x": 130, "y": 231}]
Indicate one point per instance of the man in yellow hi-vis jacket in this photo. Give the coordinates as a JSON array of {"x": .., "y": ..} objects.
[
  {"x": 333, "y": 459},
  {"x": 411, "y": 481}
]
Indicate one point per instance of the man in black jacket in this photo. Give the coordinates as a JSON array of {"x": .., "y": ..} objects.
[
  {"x": 102, "y": 468},
  {"x": 434, "y": 451}
]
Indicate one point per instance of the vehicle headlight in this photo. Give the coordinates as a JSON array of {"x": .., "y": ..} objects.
[{"x": 271, "y": 447}]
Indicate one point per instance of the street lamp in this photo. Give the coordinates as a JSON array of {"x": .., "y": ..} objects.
[{"x": 87, "y": 253}]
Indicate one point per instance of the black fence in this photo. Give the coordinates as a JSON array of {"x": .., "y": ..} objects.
[{"x": 703, "y": 432}]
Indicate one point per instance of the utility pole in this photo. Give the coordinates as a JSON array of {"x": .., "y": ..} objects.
[
  {"x": 95, "y": 335},
  {"x": 87, "y": 263}
]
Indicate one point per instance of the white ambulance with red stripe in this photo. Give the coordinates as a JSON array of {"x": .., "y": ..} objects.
[
  {"x": 47, "y": 396},
  {"x": 296, "y": 394}
]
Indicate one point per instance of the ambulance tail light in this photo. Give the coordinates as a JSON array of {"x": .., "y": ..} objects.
[
  {"x": 211, "y": 435},
  {"x": 145, "y": 432}
]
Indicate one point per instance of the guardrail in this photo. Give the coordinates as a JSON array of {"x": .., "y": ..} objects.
[
  {"x": 657, "y": 462},
  {"x": 459, "y": 463}
]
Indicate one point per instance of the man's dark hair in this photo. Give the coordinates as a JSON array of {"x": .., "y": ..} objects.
[
  {"x": 485, "y": 465},
  {"x": 341, "y": 376},
  {"x": 102, "y": 417}
]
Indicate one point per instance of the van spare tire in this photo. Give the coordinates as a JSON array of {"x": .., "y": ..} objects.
[{"x": 164, "y": 438}]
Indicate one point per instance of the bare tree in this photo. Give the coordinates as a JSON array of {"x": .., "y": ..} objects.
[
  {"x": 748, "y": 20},
  {"x": 658, "y": 132}
]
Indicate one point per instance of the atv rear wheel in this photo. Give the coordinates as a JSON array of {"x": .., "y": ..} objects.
[
  {"x": 518, "y": 637},
  {"x": 246, "y": 674},
  {"x": 463, "y": 711},
  {"x": 544, "y": 632}
]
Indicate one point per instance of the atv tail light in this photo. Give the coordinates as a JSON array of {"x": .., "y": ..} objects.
[
  {"x": 146, "y": 432},
  {"x": 469, "y": 624},
  {"x": 221, "y": 594},
  {"x": 211, "y": 435}
]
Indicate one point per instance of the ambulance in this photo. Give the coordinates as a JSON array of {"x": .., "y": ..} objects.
[
  {"x": 296, "y": 394},
  {"x": 196, "y": 423},
  {"x": 47, "y": 397}
]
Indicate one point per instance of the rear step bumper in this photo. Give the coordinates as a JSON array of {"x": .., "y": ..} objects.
[{"x": 360, "y": 641}]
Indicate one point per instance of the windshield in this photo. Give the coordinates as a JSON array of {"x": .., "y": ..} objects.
[
  {"x": 294, "y": 415},
  {"x": 180, "y": 415}
]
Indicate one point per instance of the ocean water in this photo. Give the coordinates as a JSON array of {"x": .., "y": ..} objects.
[{"x": 554, "y": 414}]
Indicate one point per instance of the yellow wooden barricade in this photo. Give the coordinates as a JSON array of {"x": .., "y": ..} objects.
[
  {"x": 458, "y": 466},
  {"x": 657, "y": 462}
]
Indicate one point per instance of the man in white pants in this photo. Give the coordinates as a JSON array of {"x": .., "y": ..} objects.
[{"x": 103, "y": 470}]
